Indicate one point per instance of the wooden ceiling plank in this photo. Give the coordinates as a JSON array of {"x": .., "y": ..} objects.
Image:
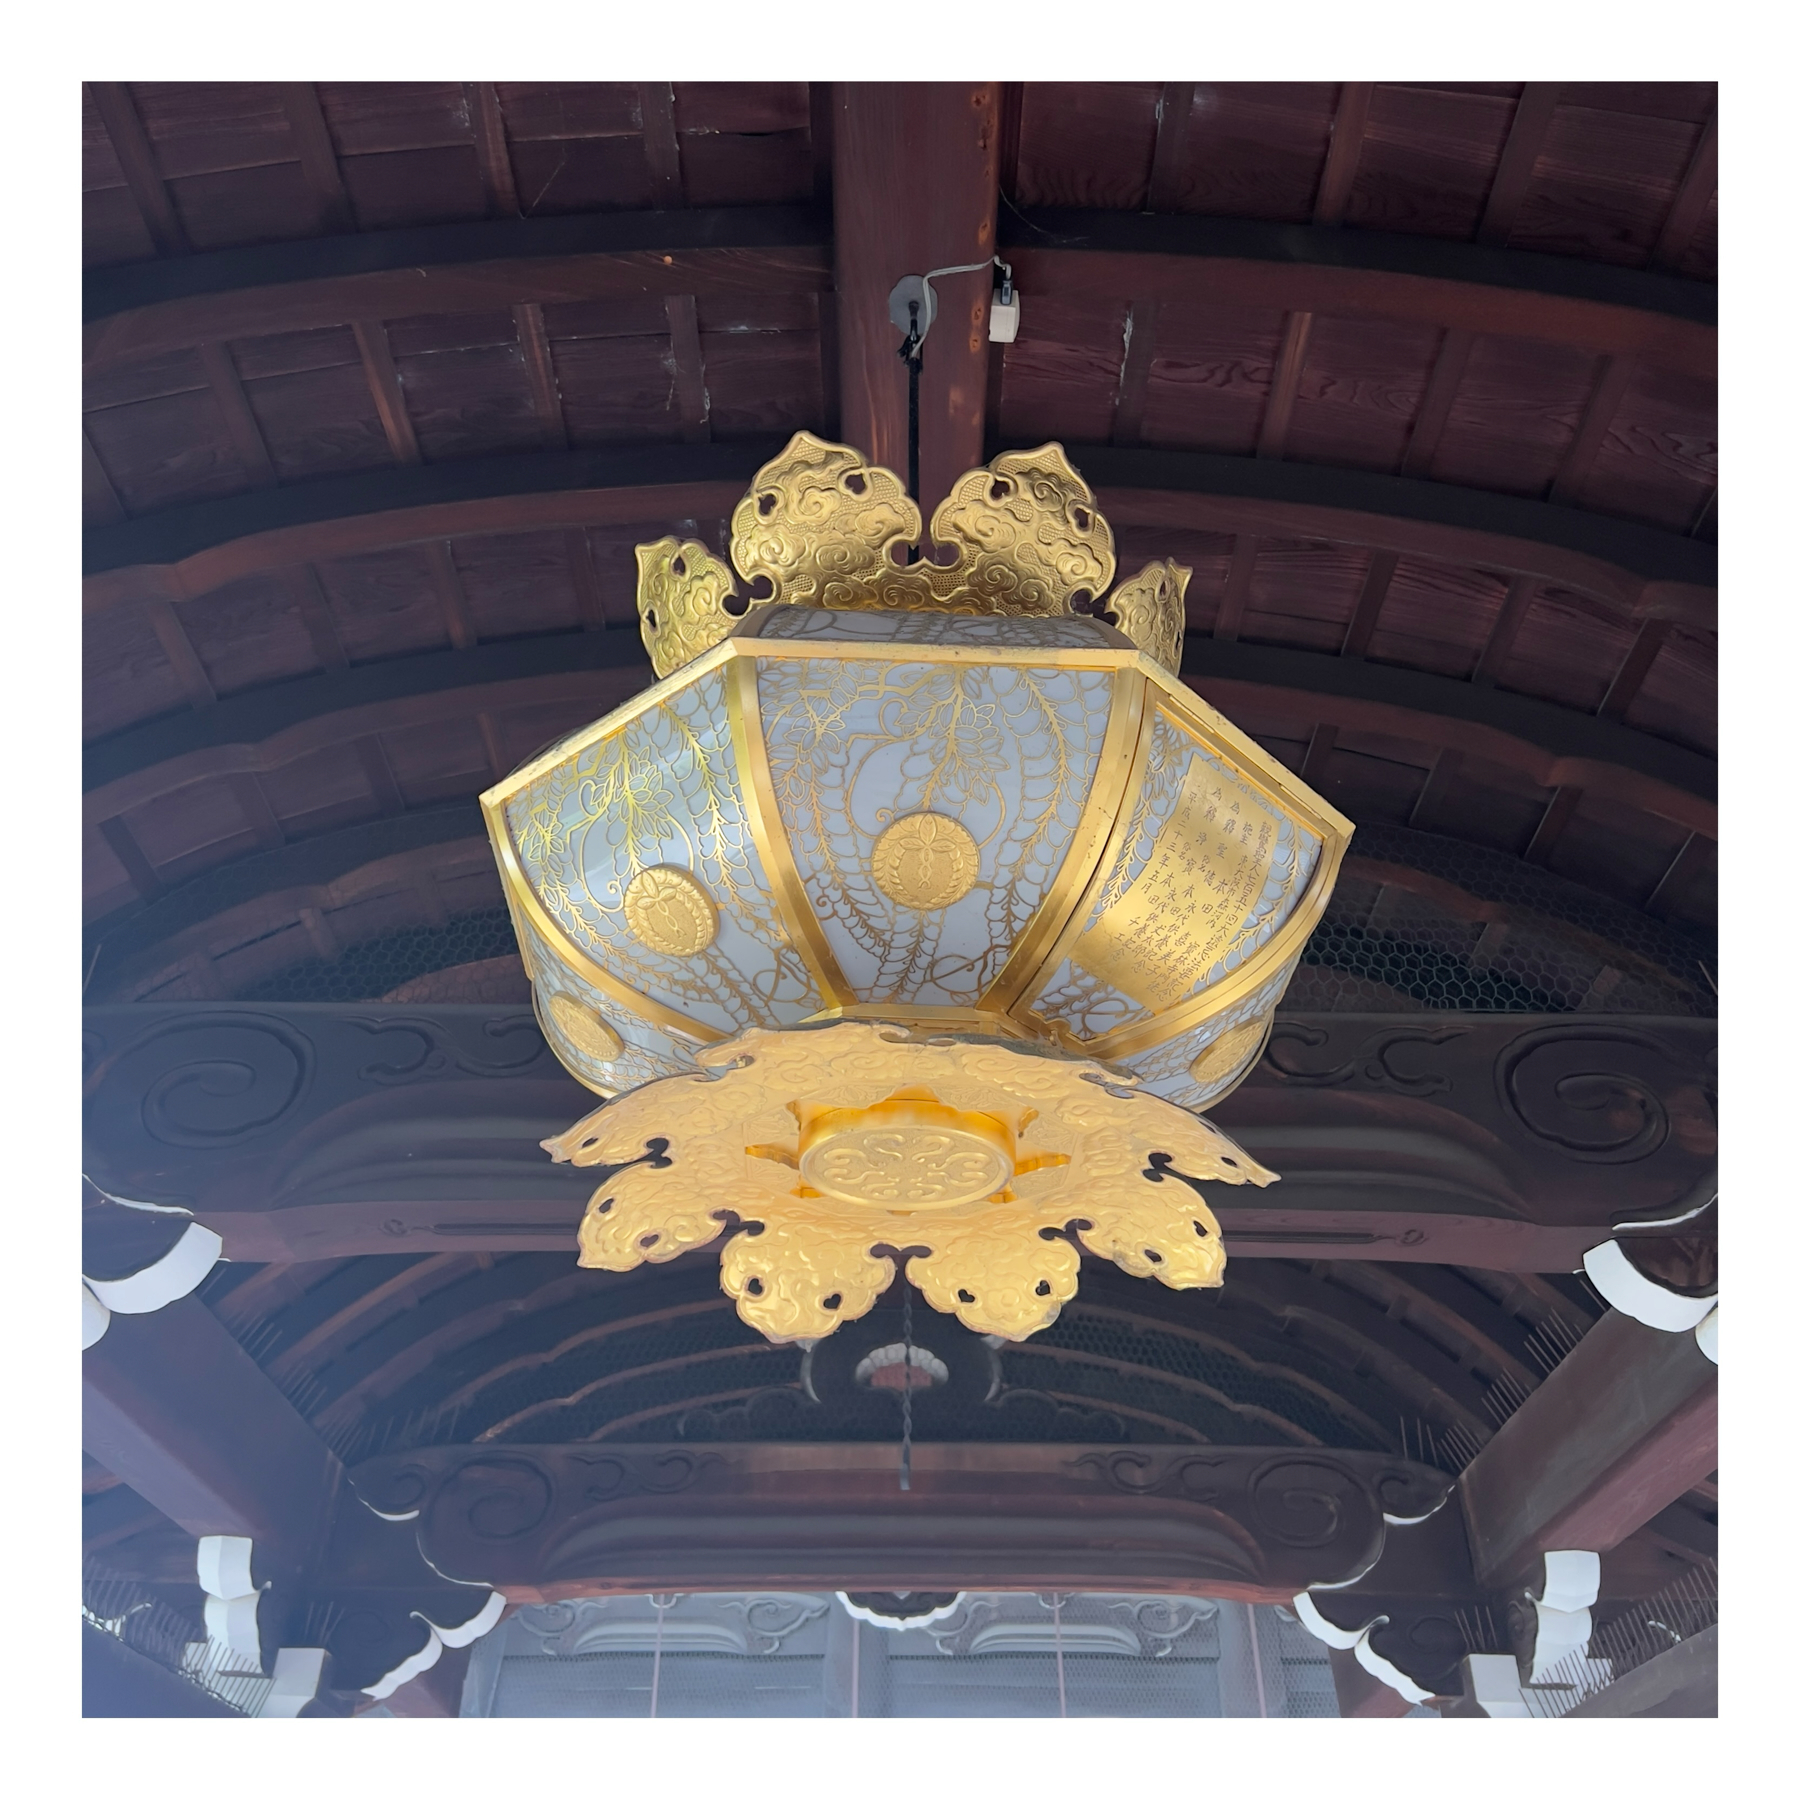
[
  {"x": 1339, "y": 174},
  {"x": 234, "y": 406},
  {"x": 689, "y": 369},
  {"x": 546, "y": 397},
  {"x": 1645, "y": 649},
  {"x": 1518, "y": 160},
  {"x": 384, "y": 386},
  {"x": 819, "y": 111},
  {"x": 1369, "y": 602},
  {"x": 137, "y": 161},
  {"x": 1553, "y": 824},
  {"x": 492, "y": 154},
  {"x": 1174, "y": 110},
  {"x": 1435, "y": 403},
  {"x": 1698, "y": 186},
  {"x": 1237, "y": 589},
  {"x": 1134, "y": 371},
  {"x": 1284, "y": 386},
  {"x": 1520, "y": 593},
  {"x": 589, "y": 601},
  {"x": 318, "y": 157},
  {"x": 446, "y": 581},
  {"x": 662, "y": 146},
  {"x": 97, "y": 491},
  {"x": 178, "y": 647},
  {"x": 915, "y": 183},
  {"x": 302, "y": 583},
  {"x": 1613, "y": 379}
]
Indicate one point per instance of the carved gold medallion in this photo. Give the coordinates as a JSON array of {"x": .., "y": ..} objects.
[
  {"x": 925, "y": 861},
  {"x": 1226, "y": 1051},
  {"x": 669, "y": 911},
  {"x": 585, "y": 1029}
]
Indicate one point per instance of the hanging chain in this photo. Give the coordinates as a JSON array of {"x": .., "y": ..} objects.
[
  {"x": 912, "y": 353},
  {"x": 906, "y": 1390}
]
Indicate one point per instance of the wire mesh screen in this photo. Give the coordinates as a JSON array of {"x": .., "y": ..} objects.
[
  {"x": 1418, "y": 922},
  {"x": 144, "y": 1622},
  {"x": 1682, "y": 1610},
  {"x": 975, "y": 1655}
]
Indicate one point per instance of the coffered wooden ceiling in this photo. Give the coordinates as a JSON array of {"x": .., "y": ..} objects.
[{"x": 384, "y": 381}]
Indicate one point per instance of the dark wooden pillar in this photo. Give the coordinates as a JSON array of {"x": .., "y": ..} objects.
[
  {"x": 1621, "y": 1428},
  {"x": 915, "y": 173}
]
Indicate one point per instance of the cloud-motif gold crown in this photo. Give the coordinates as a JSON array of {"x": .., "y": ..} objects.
[{"x": 822, "y": 526}]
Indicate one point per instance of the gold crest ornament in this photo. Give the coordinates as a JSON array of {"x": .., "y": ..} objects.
[{"x": 912, "y": 919}]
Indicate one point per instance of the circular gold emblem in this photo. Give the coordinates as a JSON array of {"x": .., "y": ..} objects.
[
  {"x": 925, "y": 861},
  {"x": 906, "y": 1156},
  {"x": 667, "y": 910},
  {"x": 1224, "y": 1053},
  {"x": 585, "y": 1029}
]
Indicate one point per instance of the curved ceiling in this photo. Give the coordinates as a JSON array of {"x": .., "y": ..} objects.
[{"x": 384, "y": 381}]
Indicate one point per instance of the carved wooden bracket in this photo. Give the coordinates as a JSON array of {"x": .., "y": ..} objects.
[
  {"x": 558, "y": 1522},
  {"x": 298, "y": 1132}
]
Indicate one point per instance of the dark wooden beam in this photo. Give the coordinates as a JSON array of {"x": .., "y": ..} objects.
[
  {"x": 1436, "y": 402},
  {"x": 347, "y": 515},
  {"x": 487, "y": 267},
  {"x": 446, "y": 581},
  {"x": 302, "y": 583},
  {"x": 384, "y": 385},
  {"x": 546, "y": 397},
  {"x": 1497, "y": 1169},
  {"x": 98, "y": 495},
  {"x": 1639, "y": 661},
  {"x": 491, "y": 152},
  {"x": 1174, "y": 111},
  {"x": 267, "y": 728},
  {"x": 196, "y": 684},
  {"x": 690, "y": 369},
  {"x": 240, "y": 422},
  {"x": 1525, "y": 139},
  {"x": 1284, "y": 385},
  {"x": 119, "y": 840},
  {"x": 1339, "y": 174},
  {"x": 662, "y": 147},
  {"x": 1318, "y": 754},
  {"x": 1692, "y": 198},
  {"x": 1237, "y": 589},
  {"x": 914, "y": 187},
  {"x": 1421, "y": 280},
  {"x": 1615, "y": 376},
  {"x": 1668, "y": 883},
  {"x": 1555, "y": 821},
  {"x": 137, "y": 161},
  {"x": 813, "y": 1517},
  {"x": 1622, "y": 1427},
  {"x": 318, "y": 157},
  {"x": 1369, "y": 601},
  {"x": 1134, "y": 371},
  {"x": 1508, "y": 622},
  {"x": 178, "y": 1411}
]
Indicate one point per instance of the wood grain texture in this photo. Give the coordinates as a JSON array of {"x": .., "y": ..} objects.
[
  {"x": 384, "y": 387},
  {"x": 915, "y": 185},
  {"x": 1525, "y": 141},
  {"x": 1348, "y": 125},
  {"x": 318, "y": 157}
]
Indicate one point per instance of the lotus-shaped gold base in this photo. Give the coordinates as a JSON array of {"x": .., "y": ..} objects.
[{"x": 846, "y": 1148}]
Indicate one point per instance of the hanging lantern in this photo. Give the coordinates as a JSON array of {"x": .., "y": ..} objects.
[{"x": 916, "y": 913}]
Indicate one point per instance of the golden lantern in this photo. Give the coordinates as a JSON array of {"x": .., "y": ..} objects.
[{"x": 916, "y": 913}]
